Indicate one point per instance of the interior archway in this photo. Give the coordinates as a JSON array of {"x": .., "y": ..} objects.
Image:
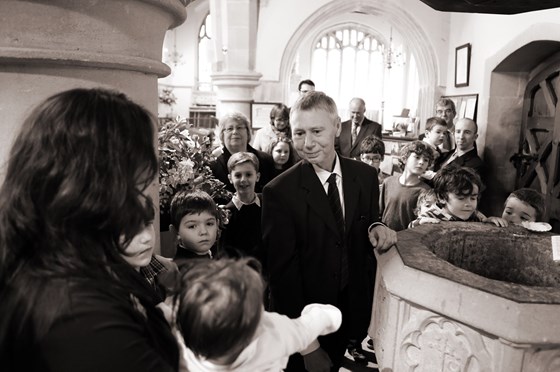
[
  {"x": 403, "y": 23},
  {"x": 512, "y": 69}
]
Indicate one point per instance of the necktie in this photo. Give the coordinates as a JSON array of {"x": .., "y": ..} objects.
[
  {"x": 354, "y": 133},
  {"x": 336, "y": 207}
]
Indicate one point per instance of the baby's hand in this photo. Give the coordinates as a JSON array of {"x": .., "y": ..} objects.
[
  {"x": 425, "y": 220},
  {"x": 498, "y": 221}
]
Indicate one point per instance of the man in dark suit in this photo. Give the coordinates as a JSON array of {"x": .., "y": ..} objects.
[
  {"x": 465, "y": 153},
  {"x": 353, "y": 131},
  {"x": 320, "y": 220}
]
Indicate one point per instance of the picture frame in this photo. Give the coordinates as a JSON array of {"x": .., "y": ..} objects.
[
  {"x": 466, "y": 105},
  {"x": 462, "y": 65},
  {"x": 260, "y": 114}
]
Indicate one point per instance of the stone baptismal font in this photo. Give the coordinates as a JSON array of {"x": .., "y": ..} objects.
[{"x": 468, "y": 297}]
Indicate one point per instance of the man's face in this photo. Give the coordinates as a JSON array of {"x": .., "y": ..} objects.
[
  {"x": 306, "y": 88},
  {"x": 313, "y": 134},
  {"x": 446, "y": 113},
  {"x": 465, "y": 134},
  {"x": 357, "y": 110}
]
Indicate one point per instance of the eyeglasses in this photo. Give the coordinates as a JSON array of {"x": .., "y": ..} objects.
[
  {"x": 446, "y": 111},
  {"x": 237, "y": 128}
]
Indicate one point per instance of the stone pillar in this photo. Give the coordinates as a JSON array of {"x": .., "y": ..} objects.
[
  {"x": 235, "y": 30},
  {"x": 50, "y": 46}
]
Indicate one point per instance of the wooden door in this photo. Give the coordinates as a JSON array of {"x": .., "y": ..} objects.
[{"x": 537, "y": 161}]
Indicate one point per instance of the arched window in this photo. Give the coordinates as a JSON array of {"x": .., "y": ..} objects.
[
  {"x": 353, "y": 62},
  {"x": 205, "y": 51}
]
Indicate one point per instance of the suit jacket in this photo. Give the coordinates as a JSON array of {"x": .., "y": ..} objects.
[
  {"x": 344, "y": 144},
  {"x": 303, "y": 245},
  {"x": 469, "y": 159}
]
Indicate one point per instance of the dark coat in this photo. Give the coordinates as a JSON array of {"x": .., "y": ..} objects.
[
  {"x": 343, "y": 142},
  {"x": 469, "y": 159},
  {"x": 303, "y": 245}
]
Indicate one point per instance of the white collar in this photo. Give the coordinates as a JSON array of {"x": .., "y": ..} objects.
[
  {"x": 238, "y": 203},
  {"x": 324, "y": 174}
]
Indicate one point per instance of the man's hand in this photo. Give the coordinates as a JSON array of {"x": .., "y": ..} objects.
[
  {"x": 317, "y": 360},
  {"x": 382, "y": 238}
]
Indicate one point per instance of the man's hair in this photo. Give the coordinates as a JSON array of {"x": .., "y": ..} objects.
[
  {"x": 432, "y": 122},
  {"x": 420, "y": 148},
  {"x": 242, "y": 157},
  {"x": 531, "y": 197},
  {"x": 306, "y": 81},
  {"x": 446, "y": 102},
  {"x": 316, "y": 100},
  {"x": 236, "y": 117},
  {"x": 187, "y": 202},
  {"x": 220, "y": 306},
  {"x": 456, "y": 180},
  {"x": 470, "y": 121},
  {"x": 424, "y": 196},
  {"x": 372, "y": 145}
]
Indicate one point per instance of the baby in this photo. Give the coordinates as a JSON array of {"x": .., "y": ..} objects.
[{"x": 221, "y": 319}]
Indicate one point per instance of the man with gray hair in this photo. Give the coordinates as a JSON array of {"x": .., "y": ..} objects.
[{"x": 353, "y": 131}]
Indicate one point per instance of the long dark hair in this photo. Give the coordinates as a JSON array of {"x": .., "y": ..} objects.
[{"x": 73, "y": 189}]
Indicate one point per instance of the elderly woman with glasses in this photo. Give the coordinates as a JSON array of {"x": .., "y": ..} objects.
[{"x": 235, "y": 135}]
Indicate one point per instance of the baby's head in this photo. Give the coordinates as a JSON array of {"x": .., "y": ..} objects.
[
  {"x": 372, "y": 151},
  {"x": 523, "y": 205},
  {"x": 426, "y": 200},
  {"x": 220, "y": 307},
  {"x": 243, "y": 168},
  {"x": 194, "y": 219},
  {"x": 457, "y": 190}
]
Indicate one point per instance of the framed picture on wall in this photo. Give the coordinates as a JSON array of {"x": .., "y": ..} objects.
[
  {"x": 260, "y": 114},
  {"x": 466, "y": 105},
  {"x": 462, "y": 65}
]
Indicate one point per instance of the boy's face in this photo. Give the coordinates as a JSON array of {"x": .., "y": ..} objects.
[
  {"x": 517, "y": 211},
  {"x": 244, "y": 177},
  {"x": 426, "y": 205},
  {"x": 198, "y": 232},
  {"x": 371, "y": 159},
  {"x": 138, "y": 253},
  {"x": 416, "y": 164},
  {"x": 281, "y": 153},
  {"x": 436, "y": 136},
  {"x": 462, "y": 205}
]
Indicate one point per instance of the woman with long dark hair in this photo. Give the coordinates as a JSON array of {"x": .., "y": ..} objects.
[{"x": 73, "y": 197}]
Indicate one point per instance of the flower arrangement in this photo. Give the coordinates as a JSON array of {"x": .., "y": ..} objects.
[
  {"x": 184, "y": 159},
  {"x": 167, "y": 97}
]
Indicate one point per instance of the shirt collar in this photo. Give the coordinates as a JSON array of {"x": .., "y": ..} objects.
[
  {"x": 324, "y": 175},
  {"x": 152, "y": 270},
  {"x": 461, "y": 153},
  {"x": 238, "y": 203}
]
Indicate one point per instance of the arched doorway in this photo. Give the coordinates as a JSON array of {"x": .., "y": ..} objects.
[
  {"x": 518, "y": 106},
  {"x": 537, "y": 161}
]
